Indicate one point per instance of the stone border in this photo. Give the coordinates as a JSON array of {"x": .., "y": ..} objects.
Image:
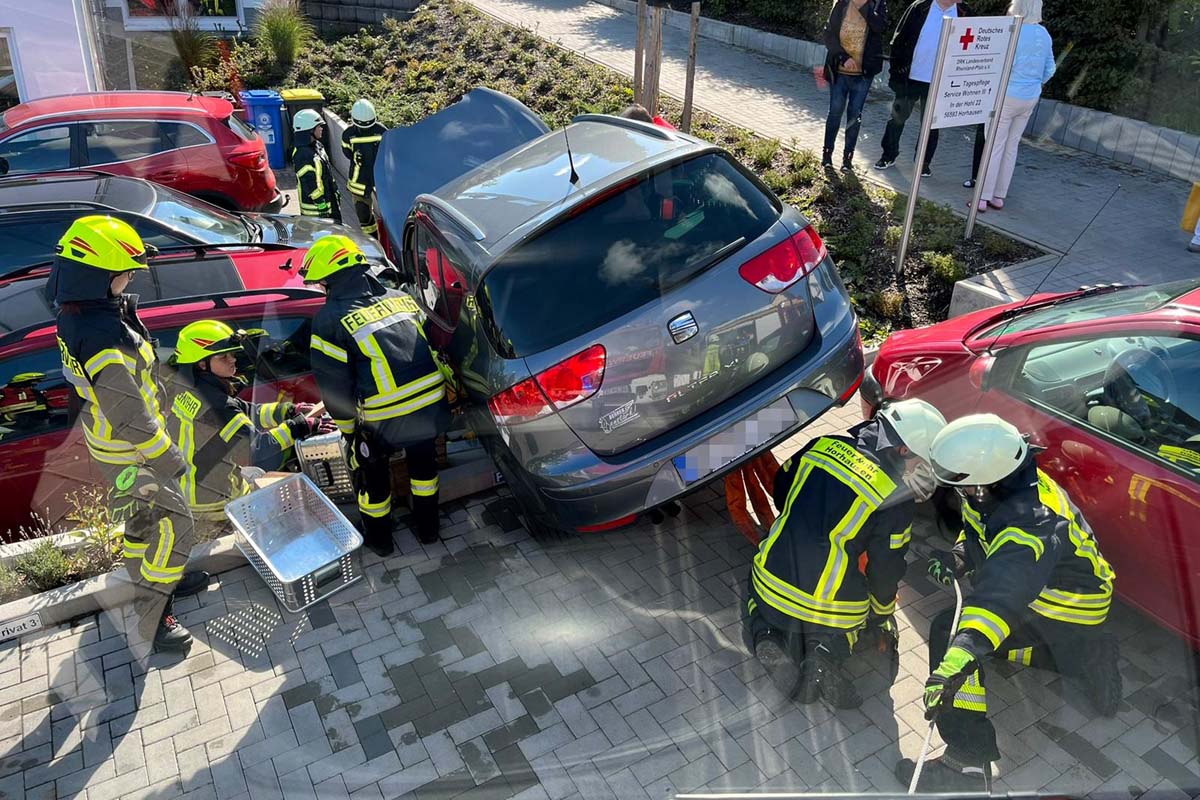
[{"x": 1108, "y": 136}]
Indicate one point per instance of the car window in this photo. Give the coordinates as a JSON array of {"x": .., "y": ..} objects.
[
  {"x": 1134, "y": 300},
  {"x": 281, "y": 353},
  {"x": 154, "y": 234},
  {"x": 1142, "y": 390},
  {"x": 41, "y": 150},
  {"x": 200, "y": 220},
  {"x": 241, "y": 127},
  {"x": 111, "y": 142},
  {"x": 33, "y": 395},
  {"x": 30, "y": 238},
  {"x": 624, "y": 251},
  {"x": 439, "y": 278},
  {"x": 180, "y": 134}
]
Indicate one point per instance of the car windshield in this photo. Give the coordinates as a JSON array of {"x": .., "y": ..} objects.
[
  {"x": 198, "y": 219},
  {"x": 1115, "y": 303}
]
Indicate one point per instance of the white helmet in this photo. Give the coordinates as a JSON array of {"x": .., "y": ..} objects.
[
  {"x": 977, "y": 450},
  {"x": 305, "y": 120},
  {"x": 915, "y": 422},
  {"x": 363, "y": 111}
]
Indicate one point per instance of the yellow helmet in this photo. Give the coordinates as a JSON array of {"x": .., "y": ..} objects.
[
  {"x": 207, "y": 337},
  {"x": 104, "y": 243},
  {"x": 328, "y": 255}
]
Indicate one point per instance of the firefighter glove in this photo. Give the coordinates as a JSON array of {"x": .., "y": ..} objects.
[
  {"x": 301, "y": 427},
  {"x": 945, "y": 565},
  {"x": 357, "y": 453},
  {"x": 947, "y": 679}
]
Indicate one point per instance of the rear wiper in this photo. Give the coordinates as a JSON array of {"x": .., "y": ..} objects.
[{"x": 706, "y": 262}]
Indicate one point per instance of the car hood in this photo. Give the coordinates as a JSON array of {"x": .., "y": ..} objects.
[
  {"x": 303, "y": 231},
  {"x": 420, "y": 158}
]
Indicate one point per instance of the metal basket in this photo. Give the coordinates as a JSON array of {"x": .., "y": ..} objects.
[
  {"x": 323, "y": 459},
  {"x": 295, "y": 537}
]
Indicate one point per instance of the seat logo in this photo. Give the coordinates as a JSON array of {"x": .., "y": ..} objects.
[{"x": 683, "y": 327}]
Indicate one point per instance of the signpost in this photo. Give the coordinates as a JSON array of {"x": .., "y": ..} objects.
[{"x": 970, "y": 77}]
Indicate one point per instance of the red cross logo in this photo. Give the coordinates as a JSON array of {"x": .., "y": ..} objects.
[{"x": 966, "y": 39}]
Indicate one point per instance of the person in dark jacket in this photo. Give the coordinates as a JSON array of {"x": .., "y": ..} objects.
[
  {"x": 380, "y": 382},
  {"x": 854, "y": 56},
  {"x": 109, "y": 359},
  {"x": 360, "y": 143},
  {"x": 910, "y": 71},
  {"x": 839, "y": 498},
  {"x": 219, "y": 433},
  {"x": 1040, "y": 595},
  {"x": 314, "y": 176}
]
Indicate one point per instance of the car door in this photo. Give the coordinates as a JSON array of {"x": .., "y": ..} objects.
[
  {"x": 1137, "y": 484},
  {"x": 139, "y": 148},
  {"x": 44, "y": 149}
]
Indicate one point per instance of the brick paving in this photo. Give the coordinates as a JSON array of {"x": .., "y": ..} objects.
[
  {"x": 1056, "y": 191},
  {"x": 492, "y": 666}
]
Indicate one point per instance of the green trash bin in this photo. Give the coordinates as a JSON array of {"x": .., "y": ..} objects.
[{"x": 294, "y": 100}]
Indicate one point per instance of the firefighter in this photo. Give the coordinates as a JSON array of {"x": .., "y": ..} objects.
[
  {"x": 360, "y": 143},
  {"x": 380, "y": 382},
  {"x": 839, "y": 497},
  {"x": 23, "y": 406},
  {"x": 314, "y": 176},
  {"x": 219, "y": 433},
  {"x": 1040, "y": 595},
  {"x": 109, "y": 359}
]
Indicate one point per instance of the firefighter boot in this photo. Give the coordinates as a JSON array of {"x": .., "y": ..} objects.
[
  {"x": 191, "y": 583},
  {"x": 948, "y": 774},
  {"x": 770, "y": 652},
  {"x": 171, "y": 637},
  {"x": 822, "y": 676},
  {"x": 1101, "y": 682}
]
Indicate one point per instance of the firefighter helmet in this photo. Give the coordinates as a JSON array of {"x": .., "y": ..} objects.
[
  {"x": 207, "y": 337},
  {"x": 305, "y": 120},
  {"x": 104, "y": 243},
  {"x": 1140, "y": 383},
  {"x": 363, "y": 112},
  {"x": 916, "y": 422},
  {"x": 328, "y": 255},
  {"x": 977, "y": 450}
]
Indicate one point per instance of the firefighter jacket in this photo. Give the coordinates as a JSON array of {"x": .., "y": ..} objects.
[
  {"x": 314, "y": 178},
  {"x": 108, "y": 358},
  {"x": 839, "y": 497},
  {"x": 372, "y": 363},
  {"x": 361, "y": 145},
  {"x": 1032, "y": 552},
  {"x": 219, "y": 433}
]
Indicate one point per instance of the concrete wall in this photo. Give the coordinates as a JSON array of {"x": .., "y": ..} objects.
[{"x": 52, "y": 46}]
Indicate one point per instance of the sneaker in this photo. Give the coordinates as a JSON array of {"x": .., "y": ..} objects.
[
  {"x": 926, "y": 171},
  {"x": 848, "y": 163},
  {"x": 969, "y": 183},
  {"x": 937, "y": 776},
  {"x": 827, "y": 159},
  {"x": 1194, "y": 247},
  {"x": 884, "y": 163},
  {"x": 191, "y": 583},
  {"x": 171, "y": 637},
  {"x": 778, "y": 664}
]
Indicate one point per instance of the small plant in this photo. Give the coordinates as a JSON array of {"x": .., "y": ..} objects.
[
  {"x": 101, "y": 548},
  {"x": 945, "y": 266},
  {"x": 997, "y": 246},
  {"x": 11, "y": 586},
  {"x": 889, "y": 304},
  {"x": 891, "y": 237},
  {"x": 44, "y": 567},
  {"x": 762, "y": 152},
  {"x": 776, "y": 181},
  {"x": 284, "y": 31}
]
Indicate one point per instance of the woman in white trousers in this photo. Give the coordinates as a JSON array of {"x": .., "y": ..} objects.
[{"x": 1033, "y": 65}]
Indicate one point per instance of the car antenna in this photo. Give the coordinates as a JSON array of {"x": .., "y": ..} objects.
[
  {"x": 574, "y": 178},
  {"x": 1049, "y": 272}
]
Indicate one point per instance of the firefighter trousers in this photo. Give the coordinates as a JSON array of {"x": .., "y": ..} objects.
[
  {"x": 366, "y": 217},
  {"x": 800, "y": 638},
  {"x": 375, "y": 499},
  {"x": 1074, "y": 651}
]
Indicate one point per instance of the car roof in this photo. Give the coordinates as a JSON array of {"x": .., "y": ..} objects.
[
  {"x": 20, "y": 192},
  {"x": 86, "y": 104},
  {"x": 533, "y": 182}
]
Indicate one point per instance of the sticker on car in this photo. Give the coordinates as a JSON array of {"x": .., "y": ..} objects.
[{"x": 621, "y": 415}]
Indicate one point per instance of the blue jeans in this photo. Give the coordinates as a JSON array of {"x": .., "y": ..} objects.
[{"x": 847, "y": 95}]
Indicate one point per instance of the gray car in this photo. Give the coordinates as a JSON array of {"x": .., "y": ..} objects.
[{"x": 629, "y": 311}]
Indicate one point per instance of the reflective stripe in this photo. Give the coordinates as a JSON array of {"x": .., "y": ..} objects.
[
  {"x": 881, "y": 608},
  {"x": 266, "y": 415},
  {"x": 899, "y": 540},
  {"x": 103, "y": 450},
  {"x": 764, "y": 549},
  {"x": 972, "y": 696},
  {"x": 380, "y": 369},
  {"x": 238, "y": 422},
  {"x": 161, "y": 574},
  {"x": 376, "y": 510},
  {"x": 423, "y": 488},
  {"x": 133, "y": 549},
  {"x": 1076, "y": 616},
  {"x": 1022, "y": 655},
  {"x": 106, "y": 357},
  {"x": 402, "y": 409},
  {"x": 1072, "y": 599},
  {"x": 283, "y": 435},
  {"x": 1179, "y": 454},
  {"x": 835, "y": 564},
  {"x": 166, "y": 541},
  {"x": 374, "y": 326},
  {"x": 860, "y": 487},
  {"x": 1017, "y": 536},
  {"x": 346, "y": 426},
  {"x": 329, "y": 348},
  {"x": 804, "y": 613},
  {"x": 412, "y": 387},
  {"x": 155, "y": 446},
  {"x": 365, "y": 139},
  {"x": 986, "y": 622}
]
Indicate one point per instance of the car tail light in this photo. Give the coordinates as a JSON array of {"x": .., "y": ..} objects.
[
  {"x": 253, "y": 159},
  {"x": 608, "y": 526},
  {"x": 846, "y": 395},
  {"x": 561, "y": 386},
  {"x": 979, "y": 371},
  {"x": 786, "y": 262}
]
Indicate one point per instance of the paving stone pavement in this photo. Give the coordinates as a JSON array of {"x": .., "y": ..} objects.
[
  {"x": 492, "y": 666},
  {"x": 1056, "y": 191}
]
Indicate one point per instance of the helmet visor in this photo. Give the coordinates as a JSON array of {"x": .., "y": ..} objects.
[{"x": 948, "y": 477}]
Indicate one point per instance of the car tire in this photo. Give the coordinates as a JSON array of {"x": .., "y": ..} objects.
[{"x": 533, "y": 516}]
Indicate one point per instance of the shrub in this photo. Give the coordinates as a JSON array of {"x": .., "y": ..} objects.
[
  {"x": 45, "y": 567},
  {"x": 997, "y": 246},
  {"x": 762, "y": 152},
  {"x": 776, "y": 181},
  {"x": 891, "y": 237},
  {"x": 101, "y": 548},
  {"x": 283, "y": 30},
  {"x": 945, "y": 266},
  {"x": 11, "y": 586},
  {"x": 889, "y": 304}
]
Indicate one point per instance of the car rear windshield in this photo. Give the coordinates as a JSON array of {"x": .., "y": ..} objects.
[
  {"x": 1135, "y": 300},
  {"x": 241, "y": 128},
  {"x": 627, "y": 249},
  {"x": 198, "y": 220}
]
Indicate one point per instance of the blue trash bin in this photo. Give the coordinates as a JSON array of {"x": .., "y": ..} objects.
[{"x": 264, "y": 110}]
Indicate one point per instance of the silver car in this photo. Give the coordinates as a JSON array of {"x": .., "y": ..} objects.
[{"x": 629, "y": 311}]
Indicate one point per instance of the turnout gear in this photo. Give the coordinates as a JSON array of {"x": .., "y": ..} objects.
[
  {"x": 109, "y": 360},
  {"x": 946, "y": 565},
  {"x": 945, "y": 681},
  {"x": 381, "y": 385},
  {"x": 314, "y": 176},
  {"x": 947, "y": 775},
  {"x": 360, "y": 143}
]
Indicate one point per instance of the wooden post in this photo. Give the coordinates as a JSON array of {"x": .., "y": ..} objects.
[
  {"x": 686, "y": 121},
  {"x": 654, "y": 62},
  {"x": 639, "y": 52}
]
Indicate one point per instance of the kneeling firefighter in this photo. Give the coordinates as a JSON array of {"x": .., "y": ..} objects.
[
  {"x": 109, "y": 359},
  {"x": 1040, "y": 595},
  {"x": 219, "y": 433},
  {"x": 839, "y": 497},
  {"x": 379, "y": 380}
]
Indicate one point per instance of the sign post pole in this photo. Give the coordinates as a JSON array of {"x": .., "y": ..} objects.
[
  {"x": 990, "y": 142},
  {"x": 922, "y": 144}
]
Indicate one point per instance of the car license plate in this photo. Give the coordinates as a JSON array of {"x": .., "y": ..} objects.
[{"x": 735, "y": 441}]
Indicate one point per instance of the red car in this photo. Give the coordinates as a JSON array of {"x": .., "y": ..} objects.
[
  {"x": 249, "y": 286},
  {"x": 1108, "y": 381},
  {"x": 189, "y": 142}
]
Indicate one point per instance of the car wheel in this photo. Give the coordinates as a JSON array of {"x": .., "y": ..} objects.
[{"x": 533, "y": 516}]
